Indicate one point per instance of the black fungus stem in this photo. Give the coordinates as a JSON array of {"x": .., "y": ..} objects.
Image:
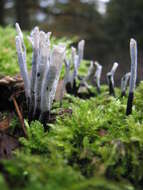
[
  {"x": 123, "y": 93},
  {"x": 111, "y": 86},
  {"x": 45, "y": 117},
  {"x": 130, "y": 103}
]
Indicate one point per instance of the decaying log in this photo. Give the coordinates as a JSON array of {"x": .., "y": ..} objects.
[
  {"x": 14, "y": 86},
  {"x": 8, "y": 87}
]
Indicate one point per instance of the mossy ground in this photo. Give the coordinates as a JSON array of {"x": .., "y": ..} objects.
[{"x": 97, "y": 147}]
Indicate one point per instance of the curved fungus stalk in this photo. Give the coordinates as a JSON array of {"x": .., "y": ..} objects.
[
  {"x": 21, "y": 52},
  {"x": 98, "y": 75},
  {"x": 110, "y": 79},
  {"x": 66, "y": 79},
  {"x": 89, "y": 79},
  {"x": 50, "y": 80},
  {"x": 91, "y": 72},
  {"x": 44, "y": 53},
  {"x": 124, "y": 82},
  {"x": 34, "y": 39},
  {"x": 76, "y": 57},
  {"x": 75, "y": 61},
  {"x": 81, "y": 46}
]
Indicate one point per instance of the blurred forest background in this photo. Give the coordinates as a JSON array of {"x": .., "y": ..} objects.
[{"x": 106, "y": 27}]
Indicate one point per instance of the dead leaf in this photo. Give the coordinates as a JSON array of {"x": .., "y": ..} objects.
[{"x": 5, "y": 123}]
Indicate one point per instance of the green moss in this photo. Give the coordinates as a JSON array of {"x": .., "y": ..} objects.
[
  {"x": 96, "y": 147},
  {"x": 8, "y": 55}
]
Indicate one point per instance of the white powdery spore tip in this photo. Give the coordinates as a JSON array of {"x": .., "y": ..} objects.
[
  {"x": 114, "y": 68},
  {"x": 133, "y": 43},
  {"x": 133, "y": 54},
  {"x": 19, "y": 32},
  {"x": 59, "y": 49}
]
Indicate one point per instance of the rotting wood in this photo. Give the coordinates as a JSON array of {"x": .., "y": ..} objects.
[{"x": 8, "y": 87}]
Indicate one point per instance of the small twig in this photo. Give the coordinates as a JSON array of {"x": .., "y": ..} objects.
[{"x": 19, "y": 115}]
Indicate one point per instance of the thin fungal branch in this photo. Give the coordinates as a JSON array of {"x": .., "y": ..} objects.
[
  {"x": 81, "y": 46},
  {"x": 124, "y": 82},
  {"x": 93, "y": 76},
  {"x": 34, "y": 39},
  {"x": 98, "y": 75},
  {"x": 91, "y": 72},
  {"x": 66, "y": 79},
  {"x": 75, "y": 61},
  {"x": 110, "y": 79},
  {"x": 44, "y": 53},
  {"x": 89, "y": 79},
  {"x": 50, "y": 80},
  {"x": 133, "y": 77},
  {"x": 76, "y": 57},
  {"x": 21, "y": 52}
]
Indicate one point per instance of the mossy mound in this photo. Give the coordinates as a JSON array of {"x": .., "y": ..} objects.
[
  {"x": 97, "y": 147},
  {"x": 94, "y": 146}
]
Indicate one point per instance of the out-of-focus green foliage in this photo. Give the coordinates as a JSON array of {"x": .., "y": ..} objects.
[{"x": 8, "y": 55}]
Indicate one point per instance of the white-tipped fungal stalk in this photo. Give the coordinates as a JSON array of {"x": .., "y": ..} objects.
[
  {"x": 110, "y": 78},
  {"x": 21, "y": 52},
  {"x": 76, "y": 58},
  {"x": 34, "y": 39},
  {"x": 67, "y": 71},
  {"x": 74, "y": 75},
  {"x": 81, "y": 45},
  {"x": 73, "y": 54},
  {"x": 66, "y": 78},
  {"x": 91, "y": 72},
  {"x": 75, "y": 72},
  {"x": 133, "y": 54},
  {"x": 98, "y": 75},
  {"x": 114, "y": 68},
  {"x": 20, "y": 34},
  {"x": 51, "y": 79},
  {"x": 133, "y": 77},
  {"x": 57, "y": 58},
  {"x": 124, "y": 82},
  {"x": 44, "y": 53}
]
